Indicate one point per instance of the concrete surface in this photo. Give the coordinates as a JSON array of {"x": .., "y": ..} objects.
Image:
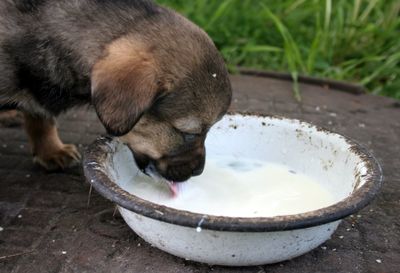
[{"x": 47, "y": 225}]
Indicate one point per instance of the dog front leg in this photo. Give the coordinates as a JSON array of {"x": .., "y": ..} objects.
[{"x": 47, "y": 148}]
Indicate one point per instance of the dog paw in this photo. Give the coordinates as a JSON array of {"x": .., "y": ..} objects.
[{"x": 64, "y": 157}]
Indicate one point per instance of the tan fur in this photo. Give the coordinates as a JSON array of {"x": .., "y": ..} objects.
[
  {"x": 151, "y": 137},
  {"x": 190, "y": 125},
  {"x": 8, "y": 114},
  {"x": 47, "y": 148},
  {"x": 26, "y": 101},
  {"x": 10, "y": 118},
  {"x": 124, "y": 84},
  {"x": 156, "y": 139}
]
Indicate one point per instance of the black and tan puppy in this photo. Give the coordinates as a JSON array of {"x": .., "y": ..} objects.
[{"x": 154, "y": 78}]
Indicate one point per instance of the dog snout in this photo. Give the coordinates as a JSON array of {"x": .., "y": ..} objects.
[
  {"x": 200, "y": 167},
  {"x": 181, "y": 167}
]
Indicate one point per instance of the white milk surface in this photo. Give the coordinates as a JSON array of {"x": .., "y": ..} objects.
[{"x": 238, "y": 187}]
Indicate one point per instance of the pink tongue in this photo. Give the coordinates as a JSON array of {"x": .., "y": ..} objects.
[{"x": 173, "y": 187}]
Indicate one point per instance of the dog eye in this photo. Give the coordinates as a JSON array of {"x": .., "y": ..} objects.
[{"x": 189, "y": 137}]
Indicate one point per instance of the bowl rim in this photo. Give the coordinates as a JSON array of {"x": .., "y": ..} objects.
[{"x": 95, "y": 157}]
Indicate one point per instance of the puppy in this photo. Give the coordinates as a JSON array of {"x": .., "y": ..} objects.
[{"x": 154, "y": 78}]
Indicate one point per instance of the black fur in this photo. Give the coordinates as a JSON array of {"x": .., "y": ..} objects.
[
  {"x": 28, "y": 5},
  {"x": 48, "y": 46},
  {"x": 57, "y": 90}
]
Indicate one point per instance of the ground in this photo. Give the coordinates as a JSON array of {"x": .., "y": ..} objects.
[{"x": 48, "y": 225}]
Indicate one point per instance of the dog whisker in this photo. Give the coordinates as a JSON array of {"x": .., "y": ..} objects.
[
  {"x": 89, "y": 195},
  {"x": 152, "y": 172},
  {"x": 115, "y": 211}
]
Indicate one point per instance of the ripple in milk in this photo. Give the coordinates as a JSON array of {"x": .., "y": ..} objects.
[{"x": 238, "y": 187}]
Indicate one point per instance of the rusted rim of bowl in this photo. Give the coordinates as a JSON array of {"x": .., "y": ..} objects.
[{"x": 96, "y": 155}]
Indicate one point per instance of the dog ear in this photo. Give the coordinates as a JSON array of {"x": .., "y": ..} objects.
[{"x": 124, "y": 85}]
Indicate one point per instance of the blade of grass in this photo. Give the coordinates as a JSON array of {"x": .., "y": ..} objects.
[
  {"x": 328, "y": 14},
  {"x": 291, "y": 51},
  {"x": 296, "y": 88},
  {"x": 391, "y": 62},
  {"x": 356, "y": 10},
  {"x": 218, "y": 13},
  {"x": 353, "y": 19},
  {"x": 294, "y": 6},
  {"x": 312, "y": 54},
  {"x": 262, "y": 48},
  {"x": 368, "y": 9},
  {"x": 392, "y": 15}
]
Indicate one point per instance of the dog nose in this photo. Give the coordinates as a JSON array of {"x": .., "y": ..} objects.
[
  {"x": 199, "y": 168},
  {"x": 197, "y": 171},
  {"x": 180, "y": 167}
]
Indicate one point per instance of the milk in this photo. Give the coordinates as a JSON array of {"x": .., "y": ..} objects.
[{"x": 239, "y": 187}]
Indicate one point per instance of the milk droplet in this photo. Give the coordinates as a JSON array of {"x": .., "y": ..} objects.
[{"x": 198, "y": 229}]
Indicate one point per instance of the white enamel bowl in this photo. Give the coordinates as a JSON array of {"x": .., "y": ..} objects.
[{"x": 343, "y": 167}]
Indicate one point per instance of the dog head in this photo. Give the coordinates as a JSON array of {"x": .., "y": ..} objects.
[{"x": 162, "y": 100}]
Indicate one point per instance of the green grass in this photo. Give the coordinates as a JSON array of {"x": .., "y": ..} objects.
[{"x": 351, "y": 40}]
